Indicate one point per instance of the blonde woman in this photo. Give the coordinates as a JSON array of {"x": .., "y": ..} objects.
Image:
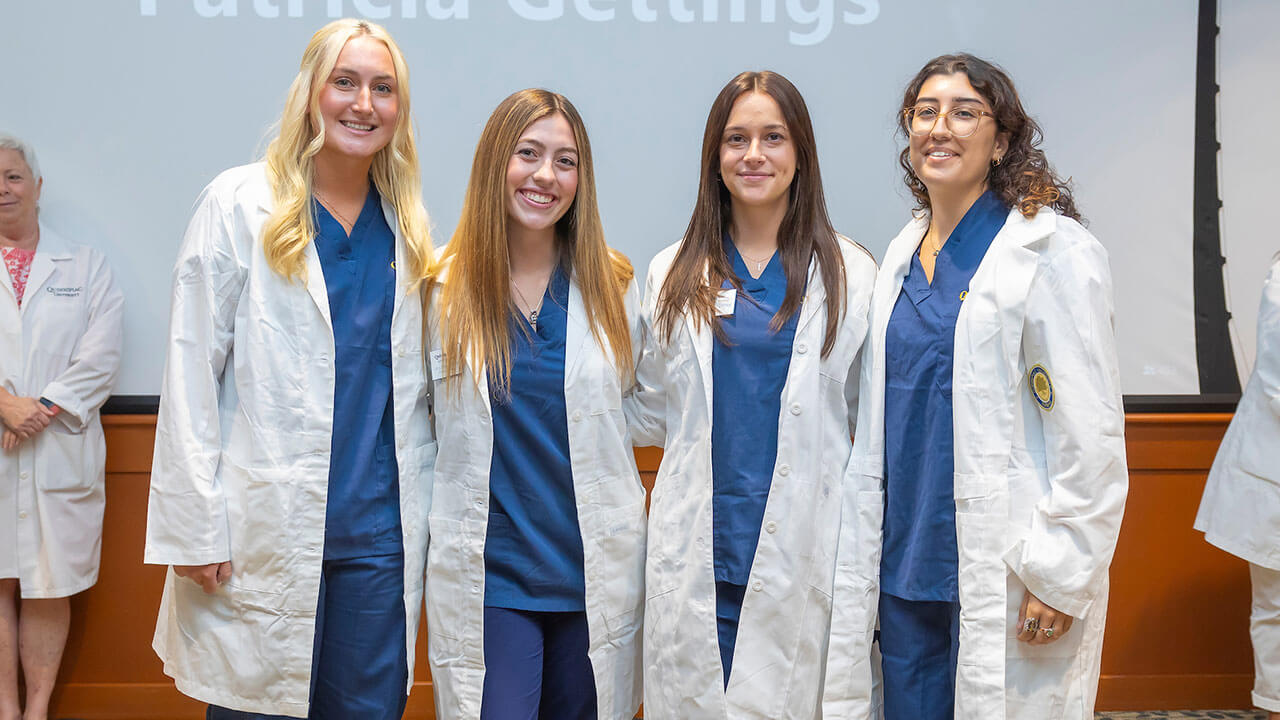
[
  {"x": 290, "y": 488},
  {"x": 537, "y": 522}
]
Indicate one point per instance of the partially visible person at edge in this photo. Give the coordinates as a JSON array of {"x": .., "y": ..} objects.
[
  {"x": 988, "y": 477},
  {"x": 60, "y": 329},
  {"x": 1240, "y": 511},
  {"x": 538, "y": 520},
  {"x": 290, "y": 486},
  {"x": 749, "y": 379}
]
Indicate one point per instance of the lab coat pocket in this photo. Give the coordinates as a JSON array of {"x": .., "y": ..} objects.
[
  {"x": 449, "y": 613},
  {"x": 264, "y": 551},
  {"x": 615, "y": 566},
  {"x": 67, "y": 461}
]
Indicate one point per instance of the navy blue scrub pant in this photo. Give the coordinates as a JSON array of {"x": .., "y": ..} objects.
[
  {"x": 536, "y": 666},
  {"x": 728, "y": 611},
  {"x": 919, "y": 643},
  {"x": 359, "y": 667}
]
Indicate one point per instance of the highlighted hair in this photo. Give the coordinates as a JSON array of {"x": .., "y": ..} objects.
[
  {"x": 476, "y": 306},
  {"x": 291, "y": 158}
]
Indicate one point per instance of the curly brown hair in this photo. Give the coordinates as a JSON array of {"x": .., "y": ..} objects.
[{"x": 1023, "y": 178}]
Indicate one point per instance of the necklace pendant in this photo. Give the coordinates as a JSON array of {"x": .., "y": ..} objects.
[{"x": 533, "y": 319}]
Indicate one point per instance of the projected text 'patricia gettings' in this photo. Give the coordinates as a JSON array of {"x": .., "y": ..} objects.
[{"x": 810, "y": 21}]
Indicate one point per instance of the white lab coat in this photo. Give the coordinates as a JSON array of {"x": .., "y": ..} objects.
[
  {"x": 1039, "y": 493},
  {"x": 1240, "y": 511},
  {"x": 611, "y": 517},
  {"x": 241, "y": 467},
  {"x": 781, "y": 645},
  {"x": 62, "y": 344}
]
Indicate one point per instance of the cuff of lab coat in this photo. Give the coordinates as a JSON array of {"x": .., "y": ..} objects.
[
  {"x": 1274, "y": 402},
  {"x": 1060, "y": 599},
  {"x": 185, "y": 556},
  {"x": 72, "y": 412}
]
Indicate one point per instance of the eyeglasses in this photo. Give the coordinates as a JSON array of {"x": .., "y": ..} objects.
[{"x": 961, "y": 121}]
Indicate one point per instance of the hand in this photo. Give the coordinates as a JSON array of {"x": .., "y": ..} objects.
[
  {"x": 9, "y": 441},
  {"x": 208, "y": 576},
  {"x": 1047, "y": 625},
  {"x": 25, "y": 416}
]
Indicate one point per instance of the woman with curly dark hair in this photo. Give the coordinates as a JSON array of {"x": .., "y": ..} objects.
[{"x": 988, "y": 476}]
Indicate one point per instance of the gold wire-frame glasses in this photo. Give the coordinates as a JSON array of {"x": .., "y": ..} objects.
[{"x": 961, "y": 121}]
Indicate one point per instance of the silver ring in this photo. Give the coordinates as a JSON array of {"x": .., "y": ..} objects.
[
  {"x": 1048, "y": 632},
  {"x": 1030, "y": 625}
]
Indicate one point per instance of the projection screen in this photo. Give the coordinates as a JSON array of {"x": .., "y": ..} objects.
[{"x": 133, "y": 106}]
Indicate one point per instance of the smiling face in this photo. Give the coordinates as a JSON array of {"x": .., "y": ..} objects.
[
  {"x": 19, "y": 191},
  {"x": 360, "y": 100},
  {"x": 542, "y": 174},
  {"x": 946, "y": 164},
  {"x": 757, "y": 157}
]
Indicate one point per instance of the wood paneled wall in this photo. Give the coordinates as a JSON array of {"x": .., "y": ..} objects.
[{"x": 1177, "y": 631}]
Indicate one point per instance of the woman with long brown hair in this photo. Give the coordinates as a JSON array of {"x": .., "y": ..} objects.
[
  {"x": 754, "y": 323},
  {"x": 537, "y": 520},
  {"x": 988, "y": 476}
]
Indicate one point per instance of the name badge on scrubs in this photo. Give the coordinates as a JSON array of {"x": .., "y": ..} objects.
[
  {"x": 725, "y": 301},
  {"x": 437, "y": 364}
]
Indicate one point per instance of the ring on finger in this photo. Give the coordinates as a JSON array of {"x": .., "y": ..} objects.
[
  {"x": 1048, "y": 632},
  {"x": 1031, "y": 625}
]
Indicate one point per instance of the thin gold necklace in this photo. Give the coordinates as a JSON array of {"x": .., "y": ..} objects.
[
  {"x": 330, "y": 207},
  {"x": 759, "y": 263}
]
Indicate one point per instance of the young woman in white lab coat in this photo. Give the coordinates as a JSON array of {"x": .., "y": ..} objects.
[
  {"x": 536, "y": 560},
  {"x": 290, "y": 485},
  {"x": 748, "y": 379},
  {"x": 1240, "y": 511},
  {"x": 60, "y": 330},
  {"x": 988, "y": 476}
]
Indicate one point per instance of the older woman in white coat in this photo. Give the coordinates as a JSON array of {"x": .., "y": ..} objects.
[
  {"x": 988, "y": 476},
  {"x": 1240, "y": 511},
  {"x": 60, "y": 330},
  {"x": 537, "y": 521},
  {"x": 748, "y": 379},
  {"x": 290, "y": 485}
]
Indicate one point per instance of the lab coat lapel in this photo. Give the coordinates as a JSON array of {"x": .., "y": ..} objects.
[
  {"x": 815, "y": 295},
  {"x": 315, "y": 284},
  {"x": 576, "y": 332},
  {"x": 50, "y": 250}
]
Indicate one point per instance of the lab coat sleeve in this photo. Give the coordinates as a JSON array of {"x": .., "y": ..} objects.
[
  {"x": 186, "y": 513},
  {"x": 86, "y": 383},
  {"x": 645, "y": 406},
  {"x": 1069, "y": 331},
  {"x": 1267, "y": 367}
]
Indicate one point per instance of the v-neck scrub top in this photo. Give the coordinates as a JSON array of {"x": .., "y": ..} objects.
[
  {"x": 362, "y": 515},
  {"x": 746, "y": 398},
  {"x": 920, "y": 556},
  {"x": 533, "y": 546}
]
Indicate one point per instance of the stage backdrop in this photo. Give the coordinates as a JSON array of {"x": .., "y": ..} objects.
[{"x": 134, "y": 106}]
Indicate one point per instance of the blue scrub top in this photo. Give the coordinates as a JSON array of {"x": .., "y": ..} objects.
[
  {"x": 746, "y": 399},
  {"x": 533, "y": 549},
  {"x": 362, "y": 516},
  {"x": 920, "y": 557}
]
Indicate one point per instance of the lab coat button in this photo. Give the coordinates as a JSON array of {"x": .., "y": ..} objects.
[
  {"x": 22, "y": 516},
  {"x": 795, "y": 409},
  {"x": 22, "y": 476},
  {"x": 577, "y": 415},
  {"x": 757, "y": 586},
  {"x": 784, "y": 470},
  {"x": 771, "y": 527},
  {"x": 802, "y": 348}
]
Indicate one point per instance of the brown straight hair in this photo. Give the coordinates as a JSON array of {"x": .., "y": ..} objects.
[
  {"x": 701, "y": 266},
  {"x": 476, "y": 306}
]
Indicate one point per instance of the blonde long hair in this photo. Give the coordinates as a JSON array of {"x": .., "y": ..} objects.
[
  {"x": 291, "y": 158},
  {"x": 475, "y": 303}
]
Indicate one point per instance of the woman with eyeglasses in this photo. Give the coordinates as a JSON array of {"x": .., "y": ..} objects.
[{"x": 988, "y": 476}]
